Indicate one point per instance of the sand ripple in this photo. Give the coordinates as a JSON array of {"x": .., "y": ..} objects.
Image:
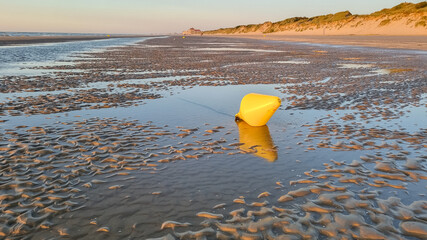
[{"x": 45, "y": 171}]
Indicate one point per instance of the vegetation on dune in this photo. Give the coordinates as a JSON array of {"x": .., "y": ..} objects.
[
  {"x": 337, "y": 20},
  {"x": 403, "y": 8},
  {"x": 384, "y": 22},
  {"x": 330, "y": 17},
  {"x": 422, "y": 22}
]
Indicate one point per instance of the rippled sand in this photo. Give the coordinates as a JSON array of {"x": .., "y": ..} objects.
[{"x": 45, "y": 170}]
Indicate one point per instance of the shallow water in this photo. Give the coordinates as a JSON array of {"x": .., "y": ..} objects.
[
  {"x": 180, "y": 194},
  {"x": 230, "y": 49},
  {"x": 355, "y": 66},
  {"x": 14, "y": 58},
  {"x": 48, "y": 34},
  {"x": 292, "y": 62}
]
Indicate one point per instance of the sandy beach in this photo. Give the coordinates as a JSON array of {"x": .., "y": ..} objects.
[
  {"x": 378, "y": 41},
  {"x": 137, "y": 140}
]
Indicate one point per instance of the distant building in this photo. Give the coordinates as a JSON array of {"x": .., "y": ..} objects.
[{"x": 192, "y": 31}]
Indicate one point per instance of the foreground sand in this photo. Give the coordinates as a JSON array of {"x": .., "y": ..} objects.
[{"x": 379, "y": 41}]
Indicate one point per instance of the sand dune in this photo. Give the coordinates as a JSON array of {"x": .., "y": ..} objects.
[{"x": 403, "y": 19}]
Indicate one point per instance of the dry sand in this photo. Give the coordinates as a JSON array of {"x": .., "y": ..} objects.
[{"x": 380, "y": 41}]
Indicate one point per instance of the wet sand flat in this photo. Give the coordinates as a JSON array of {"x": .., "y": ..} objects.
[
  {"x": 378, "y": 41},
  {"x": 138, "y": 140}
]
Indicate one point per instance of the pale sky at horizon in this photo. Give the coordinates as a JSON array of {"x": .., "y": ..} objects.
[{"x": 164, "y": 16}]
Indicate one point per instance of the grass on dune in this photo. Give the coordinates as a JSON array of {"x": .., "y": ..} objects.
[{"x": 303, "y": 23}]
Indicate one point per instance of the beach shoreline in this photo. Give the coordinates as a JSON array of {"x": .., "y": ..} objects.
[
  {"x": 377, "y": 41},
  {"x": 20, "y": 40}
]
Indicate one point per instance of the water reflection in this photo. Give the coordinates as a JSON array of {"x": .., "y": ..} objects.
[{"x": 257, "y": 140}]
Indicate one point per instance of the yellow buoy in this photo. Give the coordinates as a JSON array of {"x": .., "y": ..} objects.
[
  {"x": 256, "y": 109},
  {"x": 257, "y": 140}
]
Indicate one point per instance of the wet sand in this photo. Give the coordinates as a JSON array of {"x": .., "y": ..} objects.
[
  {"x": 139, "y": 141},
  {"x": 18, "y": 40},
  {"x": 378, "y": 41}
]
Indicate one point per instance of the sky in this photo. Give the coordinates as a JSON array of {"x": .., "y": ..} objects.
[{"x": 164, "y": 16}]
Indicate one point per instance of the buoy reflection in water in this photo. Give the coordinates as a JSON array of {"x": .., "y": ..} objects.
[{"x": 257, "y": 140}]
